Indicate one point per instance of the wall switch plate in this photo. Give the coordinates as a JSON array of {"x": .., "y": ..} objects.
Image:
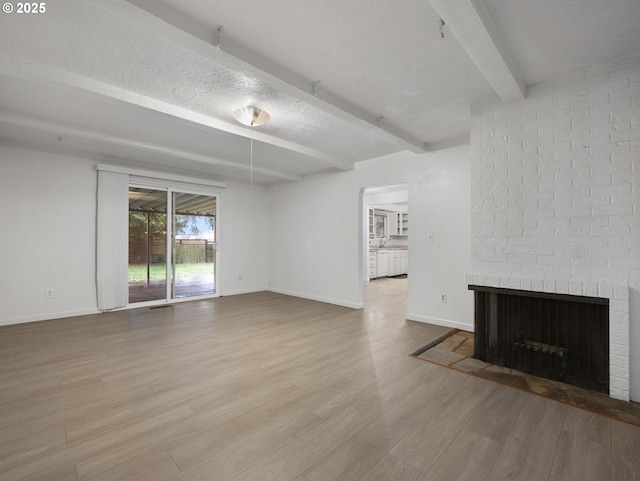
[
  {"x": 430, "y": 237},
  {"x": 49, "y": 293}
]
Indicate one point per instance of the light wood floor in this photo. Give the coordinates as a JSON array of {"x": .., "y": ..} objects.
[{"x": 265, "y": 387}]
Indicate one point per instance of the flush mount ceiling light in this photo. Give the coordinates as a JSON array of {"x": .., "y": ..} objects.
[{"x": 251, "y": 116}]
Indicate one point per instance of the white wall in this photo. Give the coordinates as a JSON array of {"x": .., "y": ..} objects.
[
  {"x": 244, "y": 246},
  {"x": 47, "y": 213},
  {"x": 439, "y": 204},
  {"x": 555, "y": 182},
  {"x": 315, "y": 233}
]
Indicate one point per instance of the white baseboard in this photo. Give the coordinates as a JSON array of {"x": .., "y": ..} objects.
[
  {"x": 337, "y": 302},
  {"x": 244, "y": 291},
  {"x": 48, "y": 317},
  {"x": 440, "y": 322}
]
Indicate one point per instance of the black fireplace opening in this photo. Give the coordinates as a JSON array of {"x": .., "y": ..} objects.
[{"x": 555, "y": 336}]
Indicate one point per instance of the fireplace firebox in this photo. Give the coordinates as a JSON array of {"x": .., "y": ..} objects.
[{"x": 556, "y": 336}]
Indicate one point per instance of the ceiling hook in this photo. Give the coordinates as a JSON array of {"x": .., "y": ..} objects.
[{"x": 218, "y": 36}]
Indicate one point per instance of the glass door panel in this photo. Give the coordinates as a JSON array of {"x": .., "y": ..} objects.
[
  {"x": 147, "y": 244},
  {"x": 194, "y": 245}
]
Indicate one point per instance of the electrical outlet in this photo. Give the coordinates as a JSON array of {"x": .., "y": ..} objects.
[
  {"x": 443, "y": 297},
  {"x": 49, "y": 293}
]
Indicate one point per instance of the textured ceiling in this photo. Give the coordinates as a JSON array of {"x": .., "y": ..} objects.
[
  {"x": 548, "y": 38},
  {"x": 142, "y": 82},
  {"x": 95, "y": 43},
  {"x": 387, "y": 58}
]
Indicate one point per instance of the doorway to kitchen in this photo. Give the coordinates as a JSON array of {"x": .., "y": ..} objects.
[{"x": 385, "y": 240}]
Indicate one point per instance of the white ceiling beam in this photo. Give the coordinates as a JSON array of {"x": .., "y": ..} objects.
[
  {"x": 471, "y": 24},
  {"x": 57, "y": 128}
]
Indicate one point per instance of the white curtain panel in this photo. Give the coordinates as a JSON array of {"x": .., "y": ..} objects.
[{"x": 112, "y": 240}]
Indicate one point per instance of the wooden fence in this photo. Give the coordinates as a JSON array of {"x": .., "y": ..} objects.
[{"x": 187, "y": 251}]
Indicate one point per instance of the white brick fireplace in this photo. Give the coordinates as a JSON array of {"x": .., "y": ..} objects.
[{"x": 555, "y": 198}]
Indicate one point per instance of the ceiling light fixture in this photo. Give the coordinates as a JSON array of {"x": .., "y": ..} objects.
[{"x": 251, "y": 116}]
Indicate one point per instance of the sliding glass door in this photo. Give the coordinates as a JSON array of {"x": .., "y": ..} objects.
[
  {"x": 194, "y": 245},
  {"x": 171, "y": 256},
  {"x": 147, "y": 244}
]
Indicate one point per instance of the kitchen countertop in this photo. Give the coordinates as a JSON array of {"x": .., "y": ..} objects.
[{"x": 375, "y": 248}]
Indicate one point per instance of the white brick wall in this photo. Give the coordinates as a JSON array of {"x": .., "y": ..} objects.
[{"x": 555, "y": 197}]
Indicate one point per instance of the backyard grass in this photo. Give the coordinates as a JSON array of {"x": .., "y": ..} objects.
[{"x": 157, "y": 272}]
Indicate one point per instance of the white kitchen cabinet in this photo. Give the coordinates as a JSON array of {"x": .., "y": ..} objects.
[
  {"x": 401, "y": 263},
  {"x": 382, "y": 267},
  {"x": 372, "y": 234},
  {"x": 399, "y": 223},
  {"x": 392, "y": 219},
  {"x": 391, "y": 262},
  {"x": 403, "y": 223},
  {"x": 396, "y": 262},
  {"x": 373, "y": 265}
]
